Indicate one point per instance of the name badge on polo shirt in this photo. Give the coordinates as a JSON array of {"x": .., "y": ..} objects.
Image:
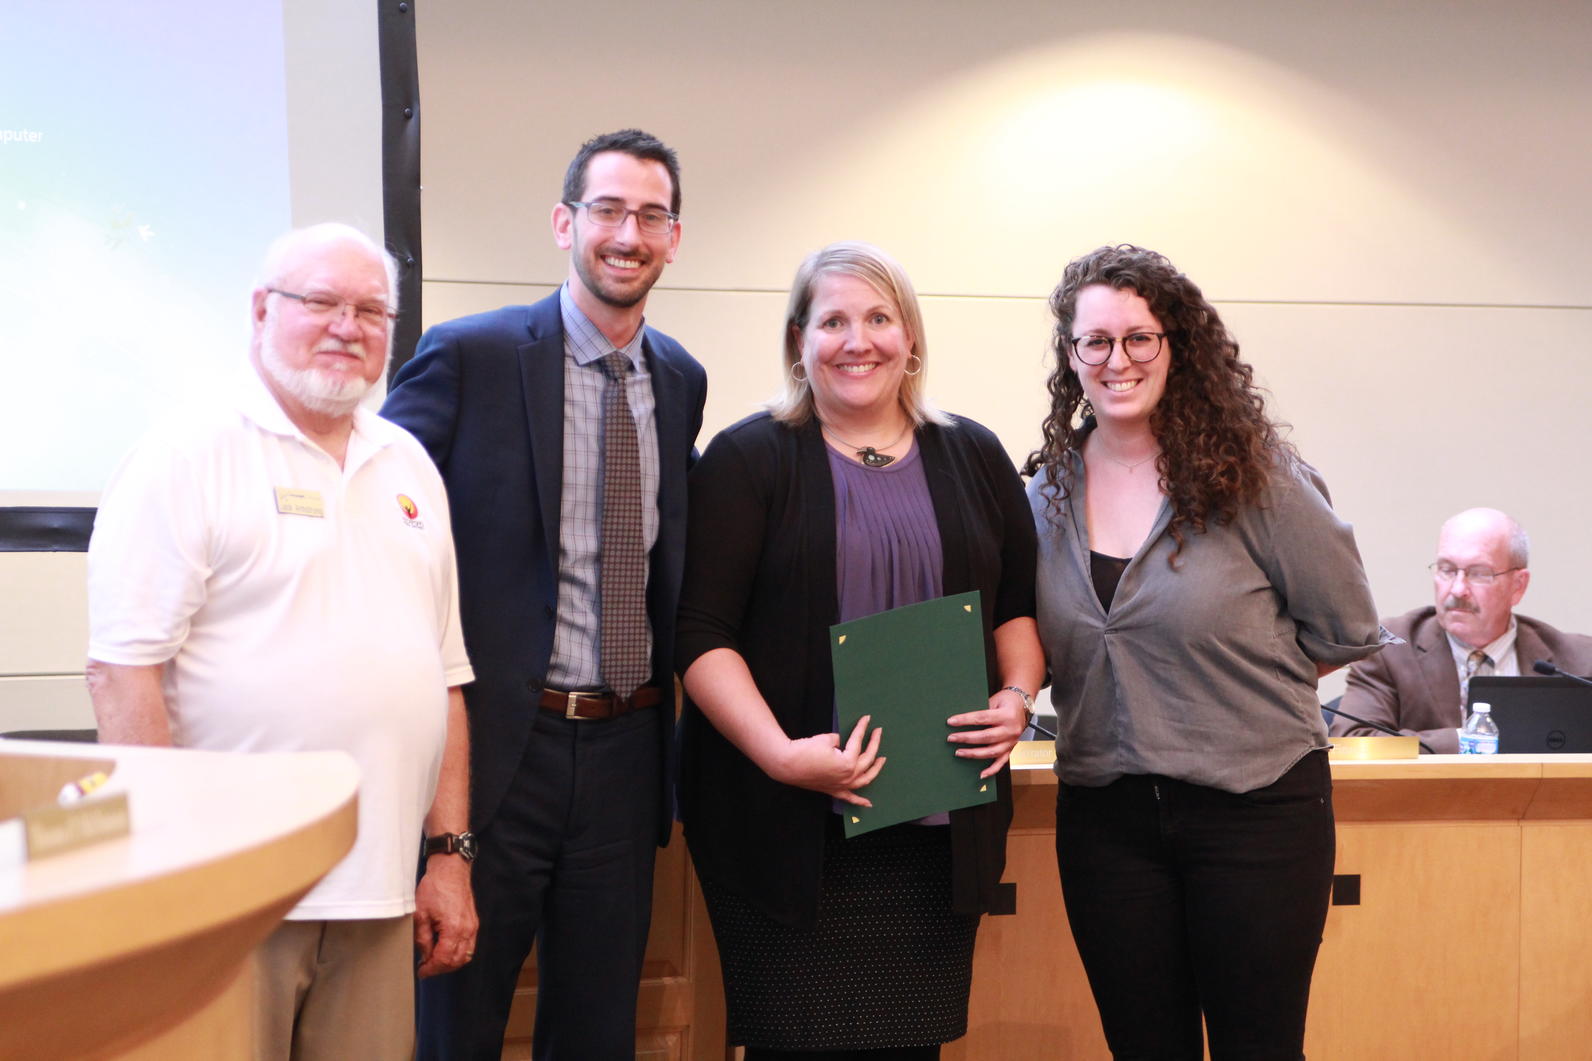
[{"x": 290, "y": 502}]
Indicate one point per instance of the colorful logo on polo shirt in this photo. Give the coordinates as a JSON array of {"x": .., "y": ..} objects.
[{"x": 411, "y": 512}]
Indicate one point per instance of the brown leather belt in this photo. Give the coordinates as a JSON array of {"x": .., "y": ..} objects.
[{"x": 595, "y": 705}]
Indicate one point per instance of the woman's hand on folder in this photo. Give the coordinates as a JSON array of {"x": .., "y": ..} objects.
[
  {"x": 1000, "y": 725},
  {"x": 822, "y": 764}
]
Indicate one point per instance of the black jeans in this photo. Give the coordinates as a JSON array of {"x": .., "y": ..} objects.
[{"x": 1188, "y": 901}]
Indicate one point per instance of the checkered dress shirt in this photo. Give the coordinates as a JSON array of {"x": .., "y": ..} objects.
[{"x": 575, "y": 663}]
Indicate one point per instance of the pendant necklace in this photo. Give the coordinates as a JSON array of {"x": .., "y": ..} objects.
[{"x": 869, "y": 455}]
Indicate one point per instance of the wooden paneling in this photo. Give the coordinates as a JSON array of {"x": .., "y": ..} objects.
[
  {"x": 1555, "y": 912},
  {"x": 1437, "y": 931},
  {"x": 1469, "y": 940},
  {"x": 1473, "y": 900},
  {"x": 1030, "y": 998},
  {"x": 680, "y": 1012}
]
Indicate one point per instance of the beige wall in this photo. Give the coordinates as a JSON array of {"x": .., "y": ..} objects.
[{"x": 1388, "y": 206}]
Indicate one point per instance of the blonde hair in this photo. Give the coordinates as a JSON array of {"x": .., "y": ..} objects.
[{"x": 793, "y": 404}]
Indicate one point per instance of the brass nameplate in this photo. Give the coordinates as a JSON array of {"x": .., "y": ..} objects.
[
  {"x": 1375, "y": 748},
  {"x": 291, "y": 502},
  {"x": 1034, "y": 753},
  {"x": 52, "y": 830}
]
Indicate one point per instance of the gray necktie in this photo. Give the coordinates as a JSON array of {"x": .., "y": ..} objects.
[{"x": 623, "y": 581}]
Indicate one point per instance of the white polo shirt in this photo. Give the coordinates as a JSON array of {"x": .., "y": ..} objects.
[{"x": 303, "y": 606}]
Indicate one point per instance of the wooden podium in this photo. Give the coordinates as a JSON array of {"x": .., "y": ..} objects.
[{"x": 138, "y": 947}]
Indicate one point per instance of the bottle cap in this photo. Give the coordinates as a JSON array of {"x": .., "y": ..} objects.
[{"x": 1481, "y": 707}]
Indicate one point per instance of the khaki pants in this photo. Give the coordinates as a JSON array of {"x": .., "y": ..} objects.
[{"x": 336, "y": 990}]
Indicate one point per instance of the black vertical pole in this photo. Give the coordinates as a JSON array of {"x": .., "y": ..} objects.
[{"x": 400, "y": 165}]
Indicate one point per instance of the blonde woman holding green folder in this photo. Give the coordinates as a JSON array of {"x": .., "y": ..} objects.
[{"x": 849, "y": 496}]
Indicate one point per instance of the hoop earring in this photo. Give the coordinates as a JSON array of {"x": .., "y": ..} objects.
[
  {"x": 801, "y": 378},
  {"x": 915, "y": 371}
]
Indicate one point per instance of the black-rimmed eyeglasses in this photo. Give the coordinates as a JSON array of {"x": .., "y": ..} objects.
[{"x": 1097, "y": 349}]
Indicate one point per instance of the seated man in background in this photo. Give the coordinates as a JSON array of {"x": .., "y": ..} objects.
[
  {"x": 1421, "y": 687},
  {"x": 276, "y": 573}
]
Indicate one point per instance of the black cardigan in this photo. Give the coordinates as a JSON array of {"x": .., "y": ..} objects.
[{"x": 760, "y": 579}]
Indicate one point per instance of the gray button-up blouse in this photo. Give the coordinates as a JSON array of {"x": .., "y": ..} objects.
[{"x": 1204, "y": 671}]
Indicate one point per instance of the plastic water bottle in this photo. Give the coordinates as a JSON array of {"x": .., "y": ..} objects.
[{"x": 1480, "y": 735}]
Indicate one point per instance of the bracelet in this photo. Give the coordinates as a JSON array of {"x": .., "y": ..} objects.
[{"x": 1028, "y": 702}]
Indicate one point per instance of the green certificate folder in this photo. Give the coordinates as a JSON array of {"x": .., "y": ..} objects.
[{"x": 911, "y": 669}]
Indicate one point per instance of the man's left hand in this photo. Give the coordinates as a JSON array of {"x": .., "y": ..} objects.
[{"x": 445, "y": 921}]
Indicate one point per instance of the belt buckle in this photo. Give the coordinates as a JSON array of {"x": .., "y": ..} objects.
[{"x": 572, "y": 704}]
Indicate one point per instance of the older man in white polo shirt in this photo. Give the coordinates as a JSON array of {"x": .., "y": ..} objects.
[{"x": 276, "y": 574}]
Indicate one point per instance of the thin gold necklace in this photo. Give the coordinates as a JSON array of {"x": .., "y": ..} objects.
[
  {"x": 1134, "y": 465},
  {"x": 1125, "y": 464}
]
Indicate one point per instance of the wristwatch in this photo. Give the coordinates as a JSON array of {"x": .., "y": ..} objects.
[
  {"x": 1028, "y": 703},
  {"x": 461, "y": 844}
]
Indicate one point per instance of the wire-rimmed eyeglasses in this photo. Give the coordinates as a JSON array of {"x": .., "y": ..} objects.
[
  {"x": 1478, "y": 575},
  {"x": 324, "y": 304},
  {"x": 653, "y": 220}
]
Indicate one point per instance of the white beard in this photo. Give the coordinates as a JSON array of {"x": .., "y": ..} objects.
[{"x": 328, "y": 393}]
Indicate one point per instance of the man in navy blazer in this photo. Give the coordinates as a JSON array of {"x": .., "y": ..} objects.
[{"x": 569, "y": 780}]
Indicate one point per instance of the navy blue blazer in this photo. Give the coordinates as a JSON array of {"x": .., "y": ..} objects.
[{"x": 485, "y": 395}]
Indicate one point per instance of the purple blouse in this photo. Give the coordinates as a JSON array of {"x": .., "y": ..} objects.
[{"x": 887, "y": 544}]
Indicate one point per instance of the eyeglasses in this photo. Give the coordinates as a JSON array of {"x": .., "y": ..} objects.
[
  {"x": 1097, "y": 349},
  {"x": 650, "y": 219},
  {"x": 1444, "y": 571},
  {"x": 320, "y": 304}
]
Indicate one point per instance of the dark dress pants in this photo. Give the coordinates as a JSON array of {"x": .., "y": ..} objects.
[
  {"x": 567, "y": 863},
  {"x": 1186, "y": 900}
]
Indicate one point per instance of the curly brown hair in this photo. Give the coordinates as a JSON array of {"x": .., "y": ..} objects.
[{"x": 1219, "y": 449}]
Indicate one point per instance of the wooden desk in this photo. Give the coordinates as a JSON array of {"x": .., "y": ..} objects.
[
  {"x": 1474, "y": 900},
  {"x": 1474, "y": 882},
  {"x": 137, "y": 948}
]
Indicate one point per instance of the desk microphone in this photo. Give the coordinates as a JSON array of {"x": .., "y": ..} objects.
[
  {"x": 1542, "y": 666},
  {"x": 1380, "y": 728}
]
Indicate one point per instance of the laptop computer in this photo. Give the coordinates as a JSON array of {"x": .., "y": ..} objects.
[{"x": 1536, "y": 715}]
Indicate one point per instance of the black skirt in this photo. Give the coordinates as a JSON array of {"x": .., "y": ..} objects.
[{"x": 887, "y": 965}]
